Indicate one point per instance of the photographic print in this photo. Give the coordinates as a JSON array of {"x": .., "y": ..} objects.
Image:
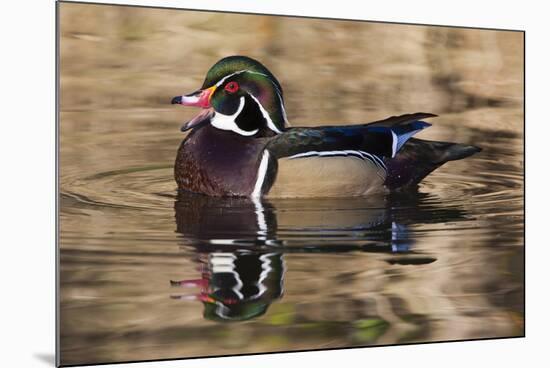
[{"x": 236, "y": 183}]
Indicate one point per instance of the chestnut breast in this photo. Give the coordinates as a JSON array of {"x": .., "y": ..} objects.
[{"x": 217, "y": 162}]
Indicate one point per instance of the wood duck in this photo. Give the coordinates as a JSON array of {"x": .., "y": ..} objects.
[{"x": 241, "y": 144}]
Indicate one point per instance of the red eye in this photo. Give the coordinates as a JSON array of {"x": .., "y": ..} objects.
[{"x": 232, "y": 87}]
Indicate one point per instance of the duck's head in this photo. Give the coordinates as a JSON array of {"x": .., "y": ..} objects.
[{"x": 238, "y": 94}]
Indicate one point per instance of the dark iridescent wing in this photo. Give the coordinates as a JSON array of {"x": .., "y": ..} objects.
[
  {"x": 401, "y": 119},
  {"x": 381, "y": 138}
]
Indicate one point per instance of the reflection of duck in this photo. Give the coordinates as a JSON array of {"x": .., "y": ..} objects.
[
  {"x": 240, "y": 242},
  {"x": 240, "y": 144},
  {"x": 238, "y": 285},
  {"x": 214, "y": 224}
]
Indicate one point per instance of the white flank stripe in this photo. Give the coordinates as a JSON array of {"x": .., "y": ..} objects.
[
  {"x": 227, "y": 122},
  {"x": 377, "y": 161},
  {"x": 371, "y": 158},
  {"x": 262, "y": 170},
  {"x": 304, "y": 154}
]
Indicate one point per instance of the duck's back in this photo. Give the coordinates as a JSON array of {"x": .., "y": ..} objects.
[
  {"x": 358, "y": 160},
  {"x": 336, "y": 161}
]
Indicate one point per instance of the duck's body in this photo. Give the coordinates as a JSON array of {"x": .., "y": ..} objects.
[
  {"x": 243, "y": 147},
  {"x": 220, "y": 163}
]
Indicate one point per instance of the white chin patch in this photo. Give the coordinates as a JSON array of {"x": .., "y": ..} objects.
[{"x": 227, "y": 122}]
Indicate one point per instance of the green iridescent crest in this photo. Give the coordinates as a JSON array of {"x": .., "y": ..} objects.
[
  {"x": 232, "y": 64},
  {"x": 254, "y": 82}
]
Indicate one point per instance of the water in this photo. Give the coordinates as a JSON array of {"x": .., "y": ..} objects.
[{"x": 147, "y": 274}]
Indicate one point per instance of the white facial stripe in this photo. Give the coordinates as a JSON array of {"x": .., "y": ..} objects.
[
  {"x": 280, "y": 102},
  {"x": 270, "y": 123},
  {"x": 262, "y": 171},
  {"x": 266, "y": 116},
  {"x": 253, "y": 72},
  {"x": 227, "y": 122},
  {"x": 220, "y": 82},
  {"x": 283, "y": 108}
]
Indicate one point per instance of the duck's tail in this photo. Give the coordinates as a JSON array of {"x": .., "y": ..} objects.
[{"x": 418, "y": 158}]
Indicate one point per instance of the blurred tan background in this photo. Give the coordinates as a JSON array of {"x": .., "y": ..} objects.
[
  {"x": 119, "y": 69},
  {"x": 331, "y": 71}
]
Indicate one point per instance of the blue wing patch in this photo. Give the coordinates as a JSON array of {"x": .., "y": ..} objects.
[
  {"x": 405, "y": 132},
  {"x": 401, "y": 133}
]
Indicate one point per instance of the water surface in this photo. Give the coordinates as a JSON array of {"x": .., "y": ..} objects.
[{"x": 149, "y": 274}]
